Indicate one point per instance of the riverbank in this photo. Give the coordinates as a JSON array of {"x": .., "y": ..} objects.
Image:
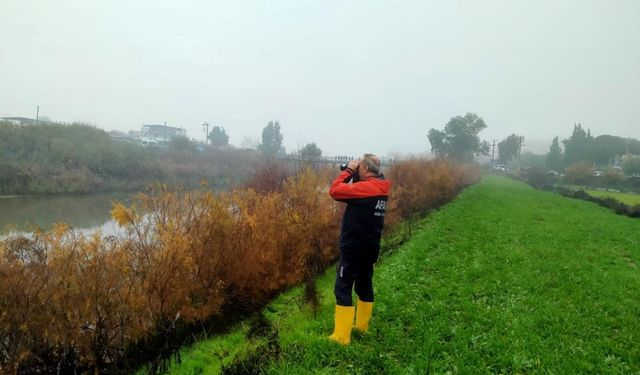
[
  {"x": 626, "y": 198},
  {"x": 188, "y": 261},
  {"x": 503, "y": 279}
]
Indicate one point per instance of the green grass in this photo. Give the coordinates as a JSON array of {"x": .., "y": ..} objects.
[
  {"x": 505, "y": 279},
  {"x": 628, "y": 199}
]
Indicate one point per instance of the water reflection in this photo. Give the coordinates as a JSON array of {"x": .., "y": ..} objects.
[{"x": 87, "y": 212}]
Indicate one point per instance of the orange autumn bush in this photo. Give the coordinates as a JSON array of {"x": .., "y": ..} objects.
[
  {"x": 74, "y": 302},
  {"x": 421, "y": 185},
  {"x": 65, "y": 299}
]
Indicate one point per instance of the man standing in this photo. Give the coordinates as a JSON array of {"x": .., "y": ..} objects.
[{"x": 360, "y": 233}]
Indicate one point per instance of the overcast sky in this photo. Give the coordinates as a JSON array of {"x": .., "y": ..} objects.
[{"x": 352, "y": 76}]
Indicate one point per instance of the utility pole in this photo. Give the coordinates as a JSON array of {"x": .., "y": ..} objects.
[
  {"x": 206, "y": 132},
  {"x": 37, "y": 113},
  {"x": 493, "y": 151},
  {"x": 520, "y": 145},
  {"x": 164, "y": 136}
]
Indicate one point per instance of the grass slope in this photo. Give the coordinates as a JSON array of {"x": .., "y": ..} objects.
[
  {"x": 628, "y": 199},
  {"x": 504, "y": 279}
]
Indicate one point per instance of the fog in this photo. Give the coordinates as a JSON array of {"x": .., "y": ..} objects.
[{"x": 352, "y": 76}]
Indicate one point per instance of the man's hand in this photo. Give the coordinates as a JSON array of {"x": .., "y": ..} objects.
[{"x": 353, "y": 165}]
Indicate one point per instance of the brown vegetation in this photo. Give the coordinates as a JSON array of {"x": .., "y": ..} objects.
[
  {"x": 70, "y": 301},
  {"x": 421, "y": 186}
]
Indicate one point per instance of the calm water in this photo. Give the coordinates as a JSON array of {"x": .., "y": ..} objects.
[{"x": 85, "y": 212}]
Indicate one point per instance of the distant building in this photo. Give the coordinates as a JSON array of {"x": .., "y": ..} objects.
[
  {"x": 19, "y": 120},
  {"x": 134, "y": 135},
  {"x": 618, "y": 161},
  {"x": 157, "y": 134},
  {"x": 117, "y": 136}
]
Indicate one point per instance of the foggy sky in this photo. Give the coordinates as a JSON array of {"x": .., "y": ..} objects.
[{"x": 352, "y": 76}]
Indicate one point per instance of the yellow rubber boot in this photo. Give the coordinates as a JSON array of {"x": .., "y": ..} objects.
[
  {"x": 344, "y": 323},
  {"x": 363, "y": 315}
]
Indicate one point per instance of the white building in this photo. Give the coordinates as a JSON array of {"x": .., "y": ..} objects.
[
  {"x": 18, "y": 120},
  {"x": 158, "y": 134}
]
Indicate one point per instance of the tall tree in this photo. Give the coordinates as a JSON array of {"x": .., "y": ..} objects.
[
  {"x": 218, "y": 137},
  {"x": 459, "y": 139},
  {"x": 604, "y": 148},
  {"x": 271, "y": 139},
  {"x": 576, "y": 147},
  {"x": 631, "y": 165},
  {"x": 509, "y": 147},
  {"x": 554, "y": 157},
  {"x": 310, "y": 151}
]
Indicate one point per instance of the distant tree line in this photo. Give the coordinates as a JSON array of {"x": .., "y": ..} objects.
[
  {"x": 51, "y": 157},
  {"x": 599, "y": 152},
  {"x": 605, "y": 161},
  {"x": 581, "y": 150},
  {"x": 602, "y": 160}
]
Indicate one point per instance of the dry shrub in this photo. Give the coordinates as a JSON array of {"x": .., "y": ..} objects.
[
  {"x": 421, "y": 185},
  {"x": 73, "y": 302},
  {"x": 278, "y": 232},
  {"x": 67, "y": 299},
  {"x": 579, "y": 173},
  {"x": 269, "y": 176}
]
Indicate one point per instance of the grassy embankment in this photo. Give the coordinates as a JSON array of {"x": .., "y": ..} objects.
[
  {"x": 504, "y": 279},
  {"x": 628, "y": 199}
]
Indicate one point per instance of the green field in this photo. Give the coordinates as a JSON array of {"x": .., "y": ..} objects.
[
  {"x": 505, "y": 279},
  {"x": 628, "y": 199}
]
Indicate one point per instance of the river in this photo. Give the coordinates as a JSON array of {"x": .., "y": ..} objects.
[{"x": 84, "y": 212}]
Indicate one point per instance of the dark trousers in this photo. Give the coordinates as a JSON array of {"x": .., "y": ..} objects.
[{"x": 353, "y": 270}]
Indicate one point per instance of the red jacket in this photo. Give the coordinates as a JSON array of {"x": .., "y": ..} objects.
[{"x": 364, "y": 216}]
